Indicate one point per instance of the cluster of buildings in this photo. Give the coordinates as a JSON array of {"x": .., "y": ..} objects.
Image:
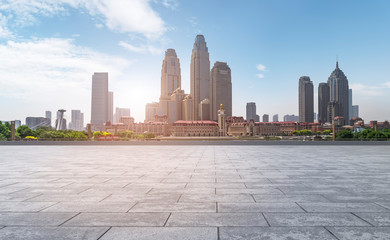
[
  {"x": 208, "y": 88},
  {"x": 60, "y": 123}
]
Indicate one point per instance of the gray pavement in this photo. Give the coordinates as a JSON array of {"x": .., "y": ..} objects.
[{"x": 195, "y": 192}]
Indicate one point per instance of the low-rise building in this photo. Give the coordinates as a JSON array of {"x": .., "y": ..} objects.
[{"x": 183, "y": 128}]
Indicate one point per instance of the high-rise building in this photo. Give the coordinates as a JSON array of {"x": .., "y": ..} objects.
[
  {"x": 265, "y": 118},
  {"x": 339, "y": 93},
  {"x": 36, "y": 122},
  {"x": 151, "y": 110},
  {"x": 187, "y": 110},
  {"x": 350, "y": 104},
  {"x": 170, "y": 81},
  {"x": 333, "y": 111},
  {"x": 251, "y": 111},
  {"x": 99, "y": 105},
  {"x": 205, "y": 110},
  {"x": 306, "y": 100},
  {"x": 121, "y": 112},
  {"x": 175, "y": 107},
  {"x": 48, "y": 115},
  {"x": 77, "y": 122},
  {"x": 275, "y": 118},
  {"x": 355, "y": 111},
  {"x": 110, "y": 107},
  {"x": 290, "y": 118},
  {"x": 200, "y": 75},
  {"x": 257, "y": 118},
  {"x": 323, "y": 101},
  {"x": 220, "y": 89}
]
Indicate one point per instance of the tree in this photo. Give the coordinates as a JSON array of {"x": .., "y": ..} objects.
[
  {"x": 295, "y": 132},
  {"x": 326, "y": 132},
  {"x": 5, "y": 130},
  {"x": 24, "y": 131},
  {"x": 345, "y": 133}
]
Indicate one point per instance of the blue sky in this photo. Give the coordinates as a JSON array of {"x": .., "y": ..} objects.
[{"x": 50, "y": 48}]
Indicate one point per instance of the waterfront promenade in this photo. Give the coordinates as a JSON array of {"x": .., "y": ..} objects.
[{"x": 195, "y": 191}]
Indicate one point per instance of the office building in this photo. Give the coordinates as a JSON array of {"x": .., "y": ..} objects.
[
  {"x": 275, "y": 118},
  {"x": 48, "y": 116},
  {"x": 220, "y": 89},
  {"x": 110, "y": 107},
  {"x": 200, "y": 75},
  {"x": 151, "y": 109},
  {"x": 339, "y": 93},
  {"x": 36, "y": 122},
  {"x": 77, "y": 120},
  {"x": 121, "y": 112},
  {"x": 306, "y": 100},
  {"x": 323, "y": 101},
  {"x": 205, "y": 110},
  {"x": 350, "y": 104},
  {"x": 290, "y": 118},
  {"x": 355, "y": 111},
  {"x": 265, "y": 118},
  {"x": 251, "y": 111},
  {"x": 99, "y": 104}
]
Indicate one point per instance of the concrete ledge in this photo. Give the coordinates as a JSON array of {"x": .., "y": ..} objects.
[{"x": 198, "y": 142}]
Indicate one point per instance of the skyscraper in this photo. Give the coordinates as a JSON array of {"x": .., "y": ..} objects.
[
  {"x": 200, "y": 75},
  {"x": 355, "y": 111},
  {"x": 99, "y": 106},
  {"x": 265, "y": 118},
  {"x": 350, "y": 104},
  {"x": 339, "y": 93},
  {"x": 323, "y": 100},
  {"x": 306, "y": 100},
  {"x": 48, "y": 116},
  {"x": 121, "y": 112},
  {"x": 170, "y": 80},
  {"x": 275, "y": 118},
  {"x": 77, "y": 122},
  {"x": 110, "y": 107},
  {"x": 220, "y": 89},
  {"x": 250, "y": 111}
]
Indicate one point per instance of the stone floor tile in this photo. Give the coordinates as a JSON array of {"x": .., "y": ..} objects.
[
  {"x": 34, "y": 219},
  {"x": 215, "y": 219},
  {"x": 313, "y": 219},
  {"x": 377, "y": 219},
  {"x": 90, "y": 207},
  {"x": 174, "y": 207},
  {"x": 24, "y": 206},
  {"x": 51, "y": 233},
  {"x": 342, "y": 207},
  {"x": 258, "y": 207},
  {"x": 361, "y": 233},
  {"x": 274, "y": 233},
  {"x": 161, "y": 233},
  {"x": 119, "y": 219},
  {"x": 289, "y": 198},
  {"x": 186, "y": 197}
]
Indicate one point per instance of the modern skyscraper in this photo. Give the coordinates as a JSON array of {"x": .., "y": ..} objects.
[
  {"x": 110, "y": 107},
  {"x": 265, "y": 118},
  {"x": 290, "y": 118},
  {"x": 275, "y": 118},
  {"x": 48, "y": 115},
  {"x": 251, "y": 111},
  {"x": 339, "y": 93},
  {"x": 355, "y": 111},
  {"x": 205, "y": 110},
  {"x": 151, "y": 109},
  {"x": 77, "y": 122},
  {"x": 200, "y": 75},
  {"x": 350, "y": 104},
  {"x": 306, "y": 100},
  {"x": 36, "y": 122},
  {"x": 187, "y": 110},
  {"x": 220, "y": 89},
  {"x": 170, "y": 80},
  {"x": 323, "y": 101},
  {"x": 121, "y": 112},
  {"x": 99, "y": 106}
]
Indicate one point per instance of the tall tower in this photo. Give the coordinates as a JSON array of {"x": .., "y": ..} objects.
[
  {"x": 323, "y": 101},
  {"x": 99, "y": 104},
  {"x": 306, "y": 100},
  {"x": 349, "y": 104},
  {"x": 170, "y": 80},
  {"x": 220, "y": 89},
  {"x": 339, "y": 92},
  {"x": 250, "y": 111},
  {"x": 200, "y": 74},
  {"x": 110, "y": 107},
  {"x": 222, "y": 121}
]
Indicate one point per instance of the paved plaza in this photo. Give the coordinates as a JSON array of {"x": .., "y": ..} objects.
[{"x": 195, "y": 192}]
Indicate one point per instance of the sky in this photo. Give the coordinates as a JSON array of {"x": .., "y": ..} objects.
[{"x": 49, "y": 50}]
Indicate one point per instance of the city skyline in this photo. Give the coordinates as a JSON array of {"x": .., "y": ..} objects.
[{"x": 50, "y": 68}]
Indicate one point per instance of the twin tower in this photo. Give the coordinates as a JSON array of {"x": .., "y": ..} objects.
[{"x": 208, "y": 90}]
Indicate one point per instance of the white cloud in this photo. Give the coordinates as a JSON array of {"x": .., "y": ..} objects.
[
  {"x": 51, "y": 73},
  {"x": 4, "y": 31},
  {"x": 386, "y": 85},
  {"x": 99, "y": 25},
  {"x": 261, "y": 67},
  {"x": 260, "y": 75},
  {"x": 361, "y": 89},
  {"x": 172, "y": 4},
  {"x": 141, "y": 49},
  {"x": 135, "y": 16}
]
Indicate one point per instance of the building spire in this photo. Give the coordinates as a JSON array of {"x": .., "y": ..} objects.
[{"x": 337, "y": 64}]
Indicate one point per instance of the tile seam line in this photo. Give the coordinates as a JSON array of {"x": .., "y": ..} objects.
[
  {"x": 104, "y": 233},
  {"x": 372, "y": 225},
  {"x": 69, "y": 219},
  {"x": 331, "y": 233}
]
